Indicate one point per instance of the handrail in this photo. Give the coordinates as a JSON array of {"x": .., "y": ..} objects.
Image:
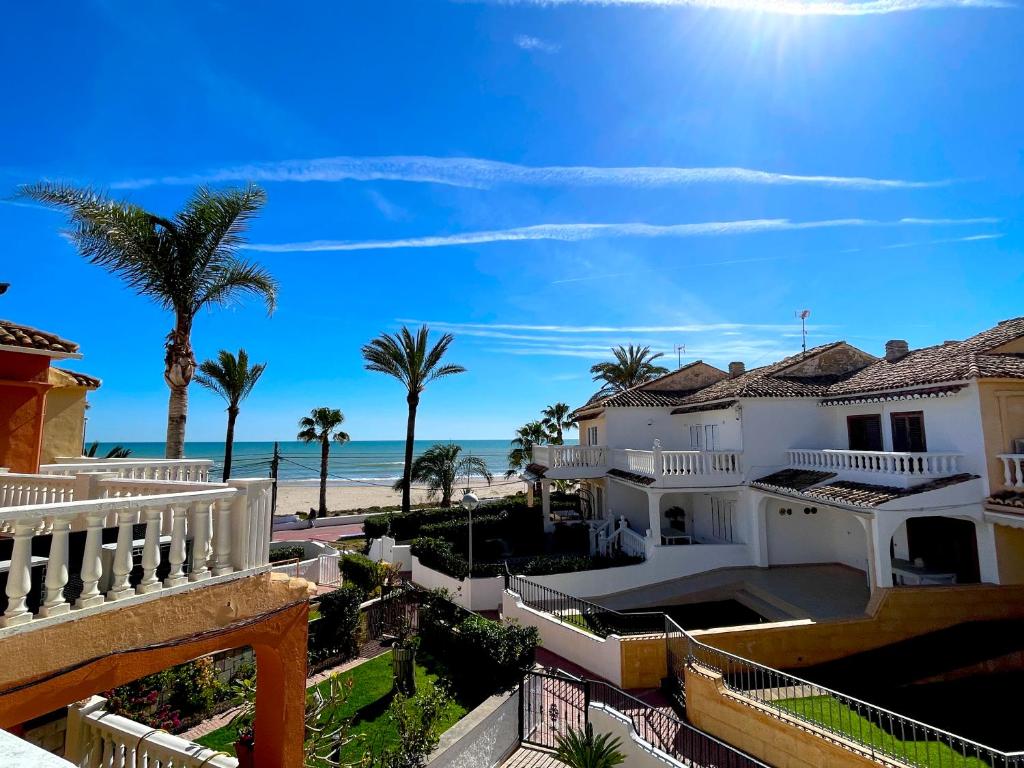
[
  {"x": 595, "y": 618},
  {"x": 72, "y": 509},
  {"x": 782, "y": 692}
]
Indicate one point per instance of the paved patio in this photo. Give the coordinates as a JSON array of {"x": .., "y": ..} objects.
[{"x": 528, "y": 757}]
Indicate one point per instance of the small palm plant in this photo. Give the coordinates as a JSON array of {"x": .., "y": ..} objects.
[
  {"x": 632, "y": 366},
  {"x": 413, "y": 361},
  {"x": 582, "y": 749},
  {"x": 185, "y": 264},
  {"x": 323, "y": 425},
  {"x": 233, "y": 379},
  {"x": 117, "y": 452},
  {"x": 558, "y": 419},
  {"x": 440, "y": 466}
]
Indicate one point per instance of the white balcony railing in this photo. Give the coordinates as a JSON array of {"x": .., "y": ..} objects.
[
  {"x": 571, "y": 456},
  {"x": 194, "y": 470},
  {"x": 1013, "y": 470},
  {"x": 96, "y": 737},
  {"x": 193, "y": 536},
  {"x": 670, "y": 467},
  {"x": 880, "y": 467},
  {"x": 18, "y": 489},
  {"x": 637, "y": 462}
]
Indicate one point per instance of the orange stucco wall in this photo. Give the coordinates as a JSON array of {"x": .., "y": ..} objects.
[
  {"x": 23, "y": 386},
  {"x": 44, "y": 669}
]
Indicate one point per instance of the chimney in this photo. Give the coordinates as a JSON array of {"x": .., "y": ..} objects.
[
  {"x": 947, "y": 342},
  {"x": 736, "y": 369},
  {"x": 896, "y": 349}
]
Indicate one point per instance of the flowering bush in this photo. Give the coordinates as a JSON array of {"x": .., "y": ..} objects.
[{"x": 167, "y": 699}]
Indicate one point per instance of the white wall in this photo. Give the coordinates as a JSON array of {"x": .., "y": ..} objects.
[
  {"x": 599, "y": 655},
  {"x": 830, "y": 536},
  {"x": 729, "y": 428},
  {"x": 479, "y": 594},
  {"x": 386, "y": 550},
  {"x": 638, "y": 753},
  {"x": 773, "y": 425},
  {"x": 625, "y": 500},
  {"x": 483, "y": 738}
]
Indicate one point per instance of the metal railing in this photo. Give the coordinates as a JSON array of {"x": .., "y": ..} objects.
[
  {"x": 583, "y": 614},
  {"x": 881, "y": 734},
  {"x": 554, "y": 704}
]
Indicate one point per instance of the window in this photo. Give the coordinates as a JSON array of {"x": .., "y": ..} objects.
[
  {"x": 710, "y": 437},
  {"x": 591, "y": 435},
  {"x": 908, "y": 432},
  {"x": 722, "y": 513},
  {"x": 865, "y": 432},
  {"x": 695, "y": 436}
]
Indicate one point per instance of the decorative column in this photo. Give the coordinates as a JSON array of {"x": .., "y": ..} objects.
[
  {"x": 221, "y": 562},
  {"x": 659, "y": 467},
  {"x": 200, "y": 529},
  {"x": 122, "y": 565},
  {"x": 176, "y": 556},
  {"x": 545, "y": 503},
  {"x": 150, "y": 550},
  {"x": 988, "y": 561},
  {"x": 54, "y": 603},
  {"x": 19, "y": 575},
  {"x": 654, "y": 515},
  {"x": 92, "y": 564}
]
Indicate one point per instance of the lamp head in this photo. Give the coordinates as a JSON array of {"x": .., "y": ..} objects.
[{"x": 470, "y": 502}]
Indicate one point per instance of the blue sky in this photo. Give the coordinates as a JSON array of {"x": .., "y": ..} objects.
[{"x": 544, "y": 180}]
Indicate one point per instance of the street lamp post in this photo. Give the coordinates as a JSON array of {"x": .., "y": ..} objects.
[{"x": 469, "y": 503}]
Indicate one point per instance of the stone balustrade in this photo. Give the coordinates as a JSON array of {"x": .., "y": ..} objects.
[
  {"x": 681, "y": 463},
  {"x": 194, "y": 470},
  {"x": 97, "y": 737},
  {"x": 1013, "y": 470},
  {"x": 880, "y": 467},
  {"x": 577, "y": 456},
  {"x": 181, "y": 539},
  {"x": 17, "y": 489}
]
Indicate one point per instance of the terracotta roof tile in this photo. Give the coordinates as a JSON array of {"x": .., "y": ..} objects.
[
  {"x": 792, "y": 479},
  {"x": 1007, "y": 499},
  {"x": 867, "y": 495},
  {"x": 14, "y": 335},
  {"x": 631, "y": 477},
  {"x": 82, "y": 379},
  {"x": 704, "y": 407}
]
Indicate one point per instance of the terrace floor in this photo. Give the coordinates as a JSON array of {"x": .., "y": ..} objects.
[
  {"x": 818, "y": 592},
  {"x": 529, "y": 757}
]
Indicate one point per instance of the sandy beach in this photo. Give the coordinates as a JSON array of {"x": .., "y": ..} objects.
[{"x": 299, "y": 498}]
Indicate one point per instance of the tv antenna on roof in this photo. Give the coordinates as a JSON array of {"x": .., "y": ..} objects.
[
  {"x": 679, "y": 348},
  {"x": 803, "y": 314}
]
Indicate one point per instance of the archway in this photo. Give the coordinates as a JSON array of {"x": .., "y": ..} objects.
[{"x": 941, "y": 545}]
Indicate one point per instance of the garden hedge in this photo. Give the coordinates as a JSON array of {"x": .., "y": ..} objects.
[
  {"x": 362, "y": 571},
  {"x": 336, "y": 633},
  {"x": 287, "y": 553}
]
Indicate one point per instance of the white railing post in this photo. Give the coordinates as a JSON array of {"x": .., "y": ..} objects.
[
  {"x": 150, "y": 550},
  {"x": 92, "y": 564},
  {"x": 222, "y": 537},
  {"x": 19, "y": 575},
  {"x": 176, "y": 557},
  {"x": 200, "y": 529},
  {"x": 658, "y": 467},
  {"x": 57, "y": 571},
  {"x": 121, "y": 567}
]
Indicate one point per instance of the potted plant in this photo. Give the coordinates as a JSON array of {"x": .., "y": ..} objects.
[
  {"x": 582, "y": 749},
  {"x": 403, "y": 660},
  {"x": 244, "y": 690}
]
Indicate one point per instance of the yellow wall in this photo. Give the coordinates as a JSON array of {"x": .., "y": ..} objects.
[
  {"x": 1010, "y": 554},
  {"x": 643, "y": 661},
  {"x": 1002, "y": 420},
  {"x": 63, "y": 423}
]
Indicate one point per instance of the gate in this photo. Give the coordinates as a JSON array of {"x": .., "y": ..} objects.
[
  {"x": 393, "y": 613},
  {"x": 330, "y": 573},
  {"x": 549, "y": 706}
]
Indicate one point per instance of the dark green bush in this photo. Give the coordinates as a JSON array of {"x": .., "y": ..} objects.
[
  {"x": 362, "y": 571},
  {"x": 441, "y": 556},
  {"x": 571, "y": 538},
  {"x": 336, "y": 633},
  {"x": 539, "y": 566},
  {"x": 287, "y": 553}
]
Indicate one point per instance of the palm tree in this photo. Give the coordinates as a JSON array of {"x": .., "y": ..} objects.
[
  {"x": 184, "y": 264},
  {"x": 440, "y": 466},
  {"x": 530, "y": 434},
  {"x": 117, "y": 452},
  {"x": 323, "y": 425},
  {"x": 233, "y": 379},
  {"x": 582, "y": 749},
  {"x": 556, "y": 420},
  {"x": 632, "y": 366},
  {"x": 414, "y": 362}
]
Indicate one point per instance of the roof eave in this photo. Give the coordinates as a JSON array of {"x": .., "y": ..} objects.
[{"x": 50, "y": 353}]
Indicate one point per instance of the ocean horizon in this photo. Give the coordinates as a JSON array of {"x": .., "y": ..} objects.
[{"x": 356, "y": 463}]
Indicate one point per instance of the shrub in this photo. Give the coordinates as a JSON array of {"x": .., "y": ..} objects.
[
  {"x": 287, "y": 553},
  {"x": 441, "y": 556},
  {"x": 166, "y": 699},
  {"x": 571, "y": 538},
  {"x": 540, "y": 566},
  {"x": 337, "y": 631},
  {"x": 363, "y": 572}
]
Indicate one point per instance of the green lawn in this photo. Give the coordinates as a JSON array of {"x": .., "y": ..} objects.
[
  {"x": 367, "y": 706},
  {"x": 829, "y": 713}
]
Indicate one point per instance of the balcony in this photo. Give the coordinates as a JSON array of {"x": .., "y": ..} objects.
[
  {"x": 889, "y": 468},
  {"x": 75, "y": 545},
  {"x": 1013, "y": 471},
  {"x": 194, "y": 470},
  {"x": 666, "y": 469}
]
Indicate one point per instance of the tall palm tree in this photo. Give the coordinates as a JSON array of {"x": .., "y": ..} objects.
[
  {"x": 557, "y": 420},
  {"x": 185, "y": 263},
  {"x": 530, "y": 434},
  {"x": 413, "y": 361},
  {"x": 322, "y": 426},
  {"x": 233, "y": 379},
  {"x": 632, "y": 366},
  {"x": 440, "y": 466}
]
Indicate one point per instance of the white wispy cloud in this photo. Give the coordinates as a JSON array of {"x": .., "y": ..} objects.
[
  {"x": 782, "y": 7},
  {"x": 616, "y": 329},
  {"x": 531, "y": 43},
  {"x": 477, "y": 173},
  {"x": 945, "y": 241},
  {"x": 580, "y": 232}
]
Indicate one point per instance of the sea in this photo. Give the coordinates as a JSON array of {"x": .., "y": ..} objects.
[{"x": 356, "y": 463}]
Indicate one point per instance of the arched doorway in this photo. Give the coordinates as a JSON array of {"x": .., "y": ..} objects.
[{"x": 942, "y": 544}]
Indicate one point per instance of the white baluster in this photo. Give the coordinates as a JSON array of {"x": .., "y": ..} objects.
[
  {"x": 92, "y": 564},
  {"x": 222, "y": 537},
  {"x": 176, "y": 557},
  {"x": 19, "y": 576},
  {"x": 122, "y": 563},
  {"x": 54, "y": 603},
  {"x": 1007, "y": 479},
  {"x": 150, "y": 551},
  {"x": 200, "y": 528},
  {"x": 1019, "y": 465}
]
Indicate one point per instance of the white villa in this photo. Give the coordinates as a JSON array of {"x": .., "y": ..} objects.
[{"x": 906, "y": 468}]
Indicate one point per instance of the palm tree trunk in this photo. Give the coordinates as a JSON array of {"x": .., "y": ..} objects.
[
  {"x": 177, "y": 412},
  {"x": 410, "y": 436},
  {"x": 325, "y": 450},
  {"x": 229, "y": 442}
]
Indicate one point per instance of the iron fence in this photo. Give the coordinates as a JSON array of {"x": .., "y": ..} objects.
[
  {"x": 552, "y": 705},
  {"x": 395, "y": 612},
  {"x": 588, "y": 616},
  {"x": 884, "y": 735}
]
